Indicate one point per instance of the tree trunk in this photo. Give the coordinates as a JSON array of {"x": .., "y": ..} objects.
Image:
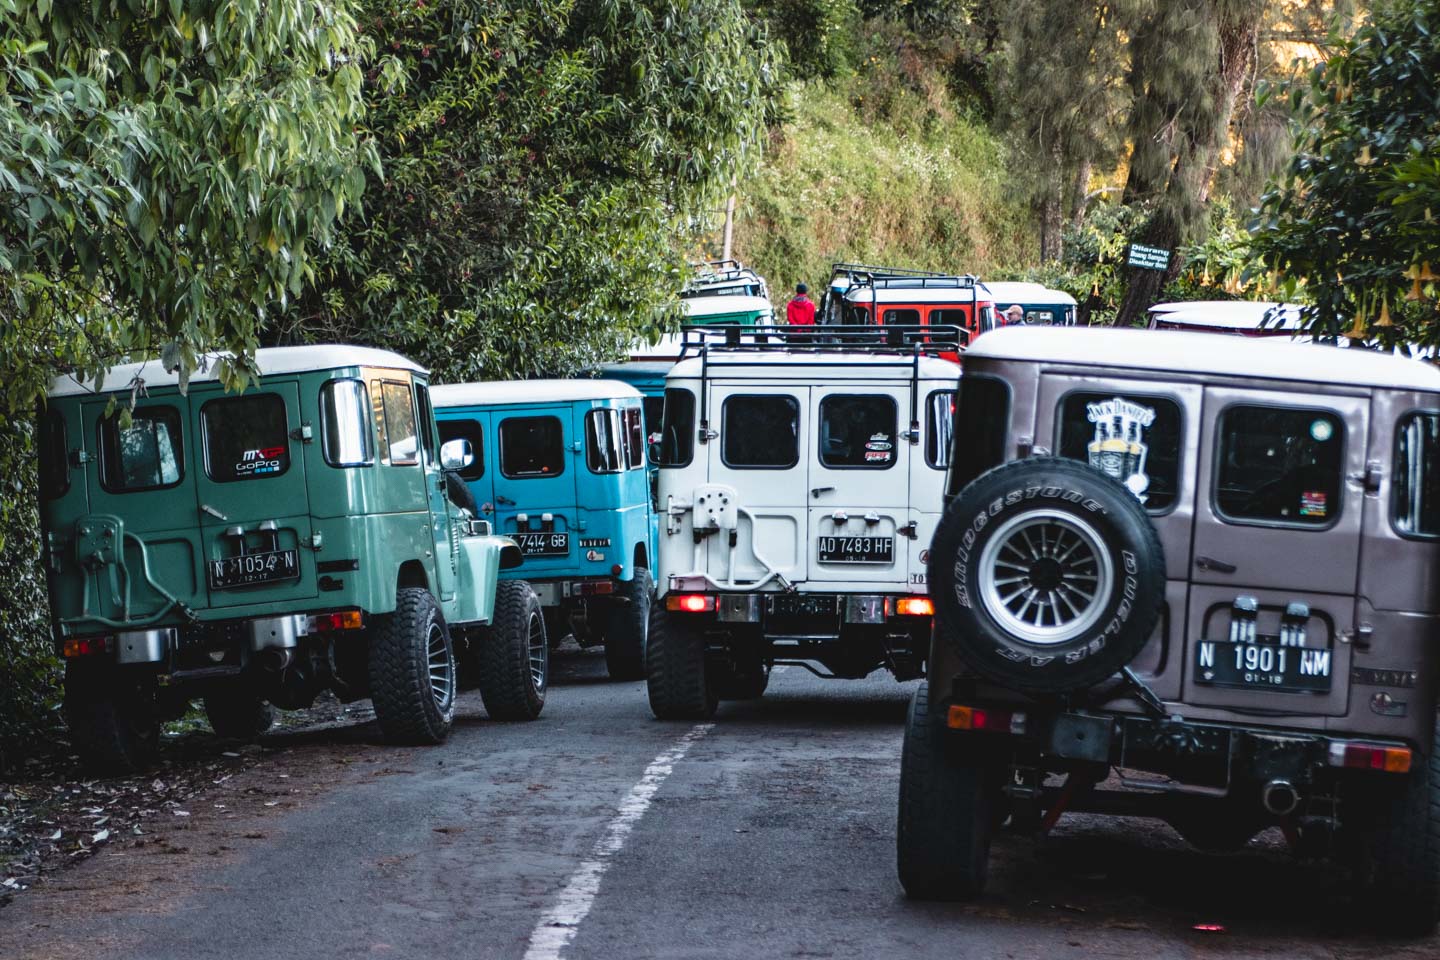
[
  {"x": 1051, "y": 211},
  {"x": 1080, "y": 193}
]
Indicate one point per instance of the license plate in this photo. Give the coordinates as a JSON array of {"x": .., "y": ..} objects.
[
  {"x": 788, "y": 605},
  {"x": 1266, "y": 666},
  {"x": 856, "y": 549},
  {"x": 543, "y": 544},
  {"x": 254, "y": 568}
]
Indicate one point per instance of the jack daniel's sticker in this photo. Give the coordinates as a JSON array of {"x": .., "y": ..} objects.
[{"x": 1118, "y": 448}]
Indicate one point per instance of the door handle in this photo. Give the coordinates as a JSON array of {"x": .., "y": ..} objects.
[
  {"x": 1219, "y": 566},
  {"x": 816, "y": 491},
  {"x": 505, "y": 500}
]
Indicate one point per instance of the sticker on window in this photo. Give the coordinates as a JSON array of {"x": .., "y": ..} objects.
[
  {"x": 1119, "y": 449},
  {"x": 259, "y": 461},
  {"x": 1313, "y": 502},
  {"x": 1322, "y": 430}
]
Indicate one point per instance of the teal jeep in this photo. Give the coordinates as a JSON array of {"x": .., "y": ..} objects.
[{"x": 253, "y": 549}]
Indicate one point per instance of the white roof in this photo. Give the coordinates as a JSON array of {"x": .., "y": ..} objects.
[
  {"x": 727, "y": 303},
  {"x": 270, "y": 360},
  {"x": 1228, "y": 314},
  {"x": 1203, "y": 353},
  {"x": 861, "y": 294},
  {"x": 822, "y": 367},
  {"x": 1024, "y": 291},
  {"x": 500, "y": 392}
]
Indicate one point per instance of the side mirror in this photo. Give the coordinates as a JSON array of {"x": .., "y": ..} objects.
[
  {"x": 456, "y": 454},
  {"x": 653, "y": 449}
]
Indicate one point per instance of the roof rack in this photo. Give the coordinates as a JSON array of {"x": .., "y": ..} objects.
[
  {"x": 875, "y": 270},
  {"x": 728, "y": 264},
  {"x": 904, "y": 339}
]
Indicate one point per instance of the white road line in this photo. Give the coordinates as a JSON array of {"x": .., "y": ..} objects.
[{"x": 561, "y": 922}]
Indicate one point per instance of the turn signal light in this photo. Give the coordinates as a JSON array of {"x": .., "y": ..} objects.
[
  {"x": 976, "y": 718},
  {"x": 914, "y": 607},
  {"x": 1367, "y": 756},
  {"x": 690, "y": 602},
  {"x": 84, "y": 646},
  {"x": 341, "y": 620}
]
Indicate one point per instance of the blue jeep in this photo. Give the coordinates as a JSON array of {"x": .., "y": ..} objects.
[{"x": 560, "y": 467}]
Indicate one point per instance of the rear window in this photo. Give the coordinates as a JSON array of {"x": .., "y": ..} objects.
[
  {"x": 911, "y": 317},
  {"x": 761, "y": 432},
  {"x": 1279, "y": 465},
  {"x": 939, "y": 428},
  {"x": 466, "y": 430},
  {"x": 146, "y": 455},
  {"x": 602, "y": 441},
  {"x": 982, "y": 421},
  {"x": 1134, "y": 438},
  {"x": 54, "y": 456},
  {"x": 654, "y": 414},
  {"x": 634, "y": 437},
  {"x": 344, "y": 424},
  {"x": 245, "y": 438},
  {"x": 1416, "y": 487},
  {"x": 677, "y": 429},
  {"x": 531, "y": 447},
  {"x": 952, "y": 316},
  {"x": 857, "y": 431}
]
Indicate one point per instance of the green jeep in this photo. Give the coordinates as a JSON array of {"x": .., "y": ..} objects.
[{"x": 253, "y": 549}]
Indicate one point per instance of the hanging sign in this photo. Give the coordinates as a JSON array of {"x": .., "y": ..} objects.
[{"x": 1148, "y": 258}]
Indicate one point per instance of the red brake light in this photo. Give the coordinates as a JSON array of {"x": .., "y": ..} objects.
[
  {"x": 84, "y": 646},
  {"x": 977, "y": 718},
  {"x": 1368, "y": 756},
  {"x": 340, "y": 620},
  {"x": 690, "y": 602},
  {"x": 914, "y": 607}
]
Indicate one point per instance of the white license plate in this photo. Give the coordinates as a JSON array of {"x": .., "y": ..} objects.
[{"x": 855, "y": 549}]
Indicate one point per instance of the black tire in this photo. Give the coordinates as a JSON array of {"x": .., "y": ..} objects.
[
  {"x": 514, "y": 654},
  {"x": 942, "y": 837},
  {"x": 675, "y": 669},
  {"x": 1400, "y": 866},
  {"x": 412, "y": 670},
  {"x": 1029, "y": 502},
  {"x": 628, "y": 624},
  {"x": 114, "y": 717},
  {"x": 238, "y": 714}
]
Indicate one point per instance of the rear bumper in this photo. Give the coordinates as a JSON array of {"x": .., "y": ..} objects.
[
  {"x": 559, "y": 592},
  {"x": 810, "y": 614}
]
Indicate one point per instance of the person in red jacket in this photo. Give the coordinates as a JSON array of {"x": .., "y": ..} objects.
[{"x": 800, "y": 311}]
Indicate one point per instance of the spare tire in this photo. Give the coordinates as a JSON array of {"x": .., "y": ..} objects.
[{"x": 1047, "y": 575}]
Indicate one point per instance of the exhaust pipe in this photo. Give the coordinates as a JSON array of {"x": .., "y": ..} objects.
[
  {"x": 1280, "y": 797},
  {"x": 275, "y": 659}
]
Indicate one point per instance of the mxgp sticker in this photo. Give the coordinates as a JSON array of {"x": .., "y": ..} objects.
[
  {"x": 1118, "y": 448},
  {"x": 1313, "y": 503},
  {"x": 261, "y": 460},
  {"x": 877, "y": 456}
]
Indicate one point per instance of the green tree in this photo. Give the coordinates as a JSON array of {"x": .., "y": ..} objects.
[
  {"x": 546, "y": 163},
  {"x": 1353, "y": 221}
]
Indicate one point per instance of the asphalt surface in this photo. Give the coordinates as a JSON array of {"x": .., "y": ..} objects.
[{"x": 599, "y": 832}]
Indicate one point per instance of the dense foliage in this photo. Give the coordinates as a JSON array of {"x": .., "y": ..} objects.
[
  {"x": 546, "y": 165},
  {"x": 1353, "y": 224}
]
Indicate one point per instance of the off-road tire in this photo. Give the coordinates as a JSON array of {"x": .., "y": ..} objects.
[
  {"x": 408, "y": 707},
  {"x": 514, "y": 671},
  {"x": 1400, "y": 867},
  {"x": 114, "y": 717},
  {"x": 1107, "y": 538},
  {"x": 628, "y": 623},
  {"x": 942, "y": 836},
  {"x": 238, "y": 714},
  {"x": 675, "y": 675}
]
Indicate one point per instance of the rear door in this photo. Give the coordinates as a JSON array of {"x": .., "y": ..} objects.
[
  {"x": 859, "y": 485},
  {"x": 474, "y": 426},
  {"x": 535, "y": 476},
  {"x": 762, "y": 449},
  {"x": 1277, "y": 550},
  {"x": 253, "y": 503}
]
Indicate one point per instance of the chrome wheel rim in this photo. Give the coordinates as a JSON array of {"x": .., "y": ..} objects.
[
  {"x": 539, "y": 653},
  {"x": 441, "y": 666},
  {"x": 1045, "y": 577}
]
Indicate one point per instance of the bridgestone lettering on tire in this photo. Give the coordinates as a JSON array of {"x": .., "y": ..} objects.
[
  {"x": 514, "y": 655},
  {"x": 629, "y": 623},
  {"x": 675, "y": 669},
  {"x": 1047, "y": 575},
  {"x": 412, "y": 670}
]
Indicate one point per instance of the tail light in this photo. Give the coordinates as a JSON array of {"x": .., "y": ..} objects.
[
  {"x": 340, "y": 620},
  {"x": 914, "y": 607},
  {"x": 1370, "y": 756},
  {"x": 84, "y": 647},
  {"x": 591, "y": 588},
  {"x": 976, "y": 718},
  {"x": 690, "y": 602}
]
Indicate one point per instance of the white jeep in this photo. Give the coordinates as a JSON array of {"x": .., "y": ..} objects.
[{"x": 801, "y": 477}]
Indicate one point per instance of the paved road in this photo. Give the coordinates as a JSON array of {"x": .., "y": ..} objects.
[{"x": 598, "y": 832}]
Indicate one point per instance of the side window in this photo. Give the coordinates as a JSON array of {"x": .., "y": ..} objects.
[
  {"x": 982, "y": 423},
  {"x": 466, "y": 430},
  {"x": 760, "y": 432},
  {"x": 952, "y": 316},
  {"x": 1041, "y": 315},
  {"x": 1416, "y": 486},
  {"x": 654, "y": 414},
  {"x": 911, "y": 317},
  {"x": 939, "y": 428},
  {"x": 1134, "y": 438},
  {"x": 677, "y": 429},
  {"x": 146, "y": 455},
  {"x": 344, "y": 424},
  {"x": 395, "y": 421},
  {"x": 531, "y": 447},
  {"x": 857, "y": 431},
  {"x": 602, "y": 441},
  {"x": 1279, "y": 465},
  {"x": 427, "y": 417},
  {"x": 245, "y": 438},
  {"x": 54, "y": 456},
  {"x": 634, "y": 437}
]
